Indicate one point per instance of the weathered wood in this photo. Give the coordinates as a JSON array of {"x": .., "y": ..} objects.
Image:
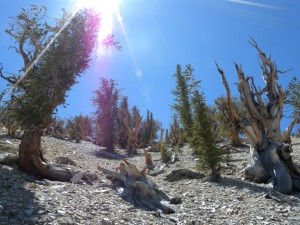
[
  {"x": 180, "y": 174},
  {"x": 148, "y": 160},
  {"x": 132, "y": 130},
  {"x": 269, "y": 158},
  {"x": 138, "y": 190},
  {"x": 286, "y": 136},
  {"x": 31, "y": 160},
  {"x": 229, "y": 111}
]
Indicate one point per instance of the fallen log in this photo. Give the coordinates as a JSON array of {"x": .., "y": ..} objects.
[
  {"x": 138, "y": 190},
  {"x": 180, "y": 174}
]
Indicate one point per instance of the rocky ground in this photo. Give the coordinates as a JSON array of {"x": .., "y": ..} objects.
[{"x": 26, "y": 200}]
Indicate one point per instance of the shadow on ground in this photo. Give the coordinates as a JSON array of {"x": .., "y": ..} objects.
[
  {"x": 119, "y": 154},
  {"x": 17, "y": 204},
  {"x": 241, "y": 185}
]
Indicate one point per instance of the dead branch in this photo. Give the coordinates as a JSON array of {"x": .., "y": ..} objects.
[
  {"x": 286, "y": 136},
  {"x": 138, "y": 190}
]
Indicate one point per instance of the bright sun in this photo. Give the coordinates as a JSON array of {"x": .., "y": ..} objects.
[{"x": 107, "y": 9}]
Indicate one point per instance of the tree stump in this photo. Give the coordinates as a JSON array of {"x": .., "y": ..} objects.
[{"x": 138, "y": 190}]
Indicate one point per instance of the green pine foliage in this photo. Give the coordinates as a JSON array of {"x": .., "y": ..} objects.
[
  {"x": 293, "y": 96},
  {"x": 182, "y": 105},
  {"x": 203, "y": 140},
  {"x": 165, "y": 154},
  {"x": 36, "y": 97},
  {"x": 150, "y": 129}
]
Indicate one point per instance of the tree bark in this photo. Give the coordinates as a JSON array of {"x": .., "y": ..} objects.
[
  {"x": 148, "y": 160},
  {"x": 270, "y": 158},
  {"x": 235, "y": 137},
  {"x": 31, "y": 159},
  {"x": 138, "y": 190},
  {"x": 274, "y": 165},
  {"x": 286, "y": 136}
]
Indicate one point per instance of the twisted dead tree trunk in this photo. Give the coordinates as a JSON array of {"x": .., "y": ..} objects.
[
  {"x": 269, "y": 159},
  {"x": 138, "y": 190}
]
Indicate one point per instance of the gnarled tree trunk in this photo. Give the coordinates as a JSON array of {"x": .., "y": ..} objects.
[
  {"x": 31, "y": 159},
  {"x": 269, "y": 158},
  {"x": 138, "y": 190}
]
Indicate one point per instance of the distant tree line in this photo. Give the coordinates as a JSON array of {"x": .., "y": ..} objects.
[{"x": 113, "y": 124}]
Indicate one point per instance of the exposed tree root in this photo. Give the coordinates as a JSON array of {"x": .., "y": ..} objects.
[
  {"x": 31, "y": 160},
  {"x": 275, "y": 165}
]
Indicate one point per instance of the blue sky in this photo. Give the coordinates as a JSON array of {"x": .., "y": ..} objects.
[{"x": 163, "y": 33}]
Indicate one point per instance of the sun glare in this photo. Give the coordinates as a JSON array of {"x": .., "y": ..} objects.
[{"x": 107, "y": 10}]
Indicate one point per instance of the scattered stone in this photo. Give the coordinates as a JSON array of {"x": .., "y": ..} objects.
[
  {"x": 61, "y": 212},
  {"x": 26, "y": 200},
  {"x": 65, "y": 160}
]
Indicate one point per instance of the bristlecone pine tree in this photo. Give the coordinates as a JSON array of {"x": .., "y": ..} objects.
[
  {"x": 149, "y": 129},
  {"x": 202, "y": 139},
  {"x": 175, "y": 133},
  {"x": 270, "y": 158},
  {"x": 79, "y": 128},
  {"x": 121, "y": 126},
  {"x": 106, "y": 114},
  {"x": 133, "y": 124},
  {"x": 49, "y": 75},
  {"x": 182, "y": 105}
]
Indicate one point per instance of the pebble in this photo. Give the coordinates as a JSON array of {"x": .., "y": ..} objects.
[
  {"x": 61, "y": 212},
  {"x": 24, "y": 200}
]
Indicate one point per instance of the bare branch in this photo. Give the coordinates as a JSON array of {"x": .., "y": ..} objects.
[
  {"x": 286, "y": 136},
  {"x": 5, "y": 78},
  {"x": 231, "y": 111}
]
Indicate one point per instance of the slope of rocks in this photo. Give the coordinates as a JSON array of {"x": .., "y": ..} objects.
[{"x": 27, "y": 200}]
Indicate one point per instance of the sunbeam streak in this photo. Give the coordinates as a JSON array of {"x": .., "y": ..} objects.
[
  {"x": 253, "y": 4},
  {"x": 42, "y": 52},
  {"x": 138, "y": 71}
]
